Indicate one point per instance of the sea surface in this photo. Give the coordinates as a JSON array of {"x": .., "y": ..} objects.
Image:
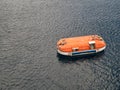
[{"x": 29, "y": 30}]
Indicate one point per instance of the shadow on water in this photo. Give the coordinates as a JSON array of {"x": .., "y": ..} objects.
[{"x": 68, "y": 59}]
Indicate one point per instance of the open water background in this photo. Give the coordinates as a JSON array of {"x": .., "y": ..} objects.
[{"x": 29, "y": 30}]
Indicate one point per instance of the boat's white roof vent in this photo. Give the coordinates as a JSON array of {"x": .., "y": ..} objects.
[{"x": 91, "y": 42}]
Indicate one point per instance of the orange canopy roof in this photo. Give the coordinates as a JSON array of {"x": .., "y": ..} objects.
[{"x": 82, "y": 43}]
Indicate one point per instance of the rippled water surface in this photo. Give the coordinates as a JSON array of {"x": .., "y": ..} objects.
[{"x": 29, "y": 30}]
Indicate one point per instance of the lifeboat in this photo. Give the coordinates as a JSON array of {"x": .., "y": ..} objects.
[{"x": 81, "y": 45}]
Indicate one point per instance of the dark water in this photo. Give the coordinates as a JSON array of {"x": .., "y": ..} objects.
[{"x": 29, "y": 30}]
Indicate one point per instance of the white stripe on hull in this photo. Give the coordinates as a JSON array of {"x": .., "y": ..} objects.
[{"x": 80, "y": 53}]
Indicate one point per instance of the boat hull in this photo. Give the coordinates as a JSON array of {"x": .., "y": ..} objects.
[{"x": 85, "y": 52}]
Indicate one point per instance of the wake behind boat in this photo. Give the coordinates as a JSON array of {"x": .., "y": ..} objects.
[{"x": 81, "y": 45}]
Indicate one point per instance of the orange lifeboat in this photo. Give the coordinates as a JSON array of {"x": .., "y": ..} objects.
[{"x": 81, "y": 45}]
